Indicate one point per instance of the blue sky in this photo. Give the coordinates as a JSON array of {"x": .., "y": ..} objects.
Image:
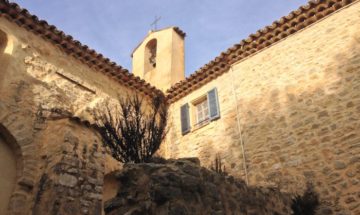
[{"x": 115, "y": 27}]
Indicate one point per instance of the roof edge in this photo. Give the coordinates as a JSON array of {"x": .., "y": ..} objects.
[
  {"x": 14, "y": 13},
  {"x": 295, "y": 21}
]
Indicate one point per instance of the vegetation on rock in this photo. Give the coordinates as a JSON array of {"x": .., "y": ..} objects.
[
  {"x": 184, "y": 187},
  {"x": 217, "y": 166}
]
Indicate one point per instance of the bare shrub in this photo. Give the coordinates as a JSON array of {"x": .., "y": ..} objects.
[
  {"x": 133, "y": 133},
  {"x": 307, "y": 203},
  {"x": 217, "y": 165}
]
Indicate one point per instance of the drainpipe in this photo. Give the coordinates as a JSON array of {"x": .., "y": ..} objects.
[{"x": 238, "y": 124}]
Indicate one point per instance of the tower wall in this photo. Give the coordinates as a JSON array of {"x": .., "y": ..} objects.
[{"x": 169, "y": 59}]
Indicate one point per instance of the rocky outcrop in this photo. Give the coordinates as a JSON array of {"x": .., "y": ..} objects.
[{"x": 182, "y": 186}]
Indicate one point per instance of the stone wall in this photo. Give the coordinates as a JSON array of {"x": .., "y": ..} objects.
[
  {"x": 295, "y": 108},
  {"x": 60, "y": 170},
  {"x": 72, "y": 170},
  {"x": 183, "y": 187}
]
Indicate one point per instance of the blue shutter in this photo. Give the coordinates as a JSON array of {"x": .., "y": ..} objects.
[
  {"x": 213, "y": 101},
  {"x": 185, "y": 119}
]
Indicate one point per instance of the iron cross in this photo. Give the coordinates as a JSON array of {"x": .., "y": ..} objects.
[{"x": 154, "y": 23}]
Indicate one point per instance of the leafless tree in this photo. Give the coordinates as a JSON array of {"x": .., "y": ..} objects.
[{"x": 133, "y": 133}]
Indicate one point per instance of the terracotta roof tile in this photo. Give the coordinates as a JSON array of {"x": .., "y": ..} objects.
[
  {"x": 179, "y": 31},
  {"x": 285, "y": 26},
  {"x": 88, "y": 56}
]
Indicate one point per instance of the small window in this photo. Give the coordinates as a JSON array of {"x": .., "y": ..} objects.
[{"x": 203, "y": 110}]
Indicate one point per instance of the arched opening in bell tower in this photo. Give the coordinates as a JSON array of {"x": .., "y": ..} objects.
[{"x": 150, "y": 55}]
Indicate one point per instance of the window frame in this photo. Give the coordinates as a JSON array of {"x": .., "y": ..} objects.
[
  {"x": 192, "y": 111},
  {"x": 203, "y": 100}
]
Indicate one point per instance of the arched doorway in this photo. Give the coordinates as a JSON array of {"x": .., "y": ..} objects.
[
  {"x": 110, "y": 188},
  {"x": 7, "y": 173}
]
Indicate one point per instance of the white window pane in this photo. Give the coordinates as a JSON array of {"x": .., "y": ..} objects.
[{"x": 202, "y": 111}]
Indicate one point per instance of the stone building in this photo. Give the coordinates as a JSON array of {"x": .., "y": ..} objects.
[{"x": 281, "y": 108}]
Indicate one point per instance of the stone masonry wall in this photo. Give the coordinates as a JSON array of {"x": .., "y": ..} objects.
[
  {"x": 72, "y": 170},
  {"x": 41, "y": 87},
  {"x": 295, "y": 106}
]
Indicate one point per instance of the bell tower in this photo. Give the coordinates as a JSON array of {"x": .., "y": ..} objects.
[{"x": 159, "y": 58}]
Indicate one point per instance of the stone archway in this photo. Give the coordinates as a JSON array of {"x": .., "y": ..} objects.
[
  {"x": 110, "y": 188},
  {"x": 8, "y": 172},
  {"x": 20, "y": 187}
]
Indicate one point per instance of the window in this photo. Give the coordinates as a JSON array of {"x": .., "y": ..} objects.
[
  {"x": 204, "y": 109},
  {"x": 201, "y": 112}
]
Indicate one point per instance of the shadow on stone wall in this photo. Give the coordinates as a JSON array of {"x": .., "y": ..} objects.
[
  {"x": 72, "y": 180},
  {"x": 62, "y": 160},
  {"x": 17, "y": 119}
]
